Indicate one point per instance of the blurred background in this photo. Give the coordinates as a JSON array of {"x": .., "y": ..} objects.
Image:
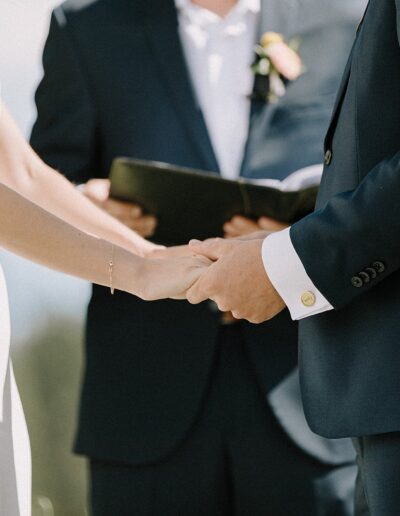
[{"x": 47, "y": 309}]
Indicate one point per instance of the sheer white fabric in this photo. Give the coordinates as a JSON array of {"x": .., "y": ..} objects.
[{"x": 15, "y": 457}]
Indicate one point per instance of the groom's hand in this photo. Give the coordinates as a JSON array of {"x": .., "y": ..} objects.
[
  {"x": 98, "y": 191},
  {"x": 237, "y": 280}
]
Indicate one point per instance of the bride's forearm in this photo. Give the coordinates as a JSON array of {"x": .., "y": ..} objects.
[
  {"x": 23, "y": 171},
  {"x": 31, "y": 232},
  {"x": 57, "y": 195}
]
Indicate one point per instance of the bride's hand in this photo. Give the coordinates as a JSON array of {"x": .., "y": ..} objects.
[{"x": 171, "y": 278}]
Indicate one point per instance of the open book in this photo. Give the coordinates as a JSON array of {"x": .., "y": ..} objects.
[{"x": 195, "y": 204}]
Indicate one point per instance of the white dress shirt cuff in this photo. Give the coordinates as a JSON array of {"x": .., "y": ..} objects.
[{"x": 290, "y": 279}]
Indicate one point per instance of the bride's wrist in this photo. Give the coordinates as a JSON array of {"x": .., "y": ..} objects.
[
  {"x": 142, "y": 247},
  {"x": 145, "y": 276},
  {"x": 130, "y": 273}
]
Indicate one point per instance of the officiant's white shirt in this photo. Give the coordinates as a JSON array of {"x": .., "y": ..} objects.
[{"x": 219, "y": 53}]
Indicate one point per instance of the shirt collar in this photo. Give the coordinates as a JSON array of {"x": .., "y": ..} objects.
[{"x": 242, "y": 6}]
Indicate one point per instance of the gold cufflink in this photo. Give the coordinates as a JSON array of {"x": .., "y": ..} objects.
[{"x": 308, "y": 299}]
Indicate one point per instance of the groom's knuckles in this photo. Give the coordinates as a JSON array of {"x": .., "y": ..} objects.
[
  {"x": 195, "y": 298},
  {"x": 212, "y": 248},
  {"x": 260, "y": 316},
  {"x": 223, "y": 306},
  {"x": 254, "y": 319},
  {"x": 248, "y": 313},
  {"x": 195, "y": 294},
  {"x": 236, "y": 314}
]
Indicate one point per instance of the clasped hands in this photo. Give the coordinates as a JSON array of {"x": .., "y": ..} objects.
[{"x": 235, "y": 278}]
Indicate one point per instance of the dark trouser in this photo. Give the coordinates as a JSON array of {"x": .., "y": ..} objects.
[
  {"x": 378, "y": 481},
  {"x": 236, "y": 460}
]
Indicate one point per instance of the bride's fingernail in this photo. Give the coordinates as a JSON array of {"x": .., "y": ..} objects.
[{"x": 194, "y": 242}]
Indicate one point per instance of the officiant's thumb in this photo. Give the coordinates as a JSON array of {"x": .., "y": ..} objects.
[{"x": 212, "y": 248}]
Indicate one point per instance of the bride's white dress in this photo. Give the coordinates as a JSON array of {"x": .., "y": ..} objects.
[{"x": 15, "y": 457}]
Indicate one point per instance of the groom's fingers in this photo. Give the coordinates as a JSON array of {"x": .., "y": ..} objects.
[
  {"x": 197, "y": 293},
  {"x": 170, "y": 252},
  {"x": 179, "y": 297},
  {"x": 212, "y": 248}
]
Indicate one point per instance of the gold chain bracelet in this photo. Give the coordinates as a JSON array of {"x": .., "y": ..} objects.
[{"x": 111, "y": 269}]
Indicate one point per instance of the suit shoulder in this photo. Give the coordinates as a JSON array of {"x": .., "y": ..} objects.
[
  {"x": 73, "y": 9},
  {"x": 76, "y": 6}
]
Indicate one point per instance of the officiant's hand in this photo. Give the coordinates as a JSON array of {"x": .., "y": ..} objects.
[
  {"x": 239, "y": 226},
  {"x": 237, "y": 280},
  {"x": 98, "y": 191}
]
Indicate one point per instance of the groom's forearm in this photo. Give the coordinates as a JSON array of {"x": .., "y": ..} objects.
[{"x": 33, "y": 233}]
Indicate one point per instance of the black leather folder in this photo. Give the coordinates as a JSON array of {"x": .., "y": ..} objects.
[{"x": 192, "y": 203}]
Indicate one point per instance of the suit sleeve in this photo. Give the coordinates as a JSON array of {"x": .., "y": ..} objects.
[
  {"x": 356, "y": 236},
  {"x": 64, "y": 132}
]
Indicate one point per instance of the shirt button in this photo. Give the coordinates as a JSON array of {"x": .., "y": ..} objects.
[
  {"x": 357, "y": 282},
  {"x": 308, "y": 299},
  {"x": 328, "y": 157}
]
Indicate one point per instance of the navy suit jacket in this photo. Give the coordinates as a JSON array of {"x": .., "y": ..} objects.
[
  {"x": 116, "y": 83},
  {"x": 350, "y": 247}
]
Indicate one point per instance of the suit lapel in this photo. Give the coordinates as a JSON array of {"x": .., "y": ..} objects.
[
  {"x": 343, "y": 87},
  {"x": 339, "y": 97},
  {"x": 161, "y": 25},
  {"x": 272, "y": 18},
  {"x": 362, "y": 19}
]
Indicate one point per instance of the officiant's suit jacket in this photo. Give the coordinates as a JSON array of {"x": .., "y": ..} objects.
[
  {"x": 350, "y": 247},
  {"x": 116, "y": 83}
]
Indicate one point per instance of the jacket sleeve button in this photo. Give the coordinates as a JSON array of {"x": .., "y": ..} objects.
[
  {"x": 365, "y": 276},
  {"x": 372, "y": 272},
  {"x": 357, "y": 282},
  {"x": 379, "y": 267}
]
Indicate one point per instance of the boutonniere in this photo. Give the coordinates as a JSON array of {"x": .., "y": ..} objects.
[{"x": 276, "y": 64}]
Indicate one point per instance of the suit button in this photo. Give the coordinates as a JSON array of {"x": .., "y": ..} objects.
[
  {"x": 328, "y": 157},
  {"x": 372, "y": 272},
  {"x": 308, "y": 299},
  {"x": 365, "y": 276},
  {"x": 379, "y": 267},
  {"x": 357, "y": 282}
]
